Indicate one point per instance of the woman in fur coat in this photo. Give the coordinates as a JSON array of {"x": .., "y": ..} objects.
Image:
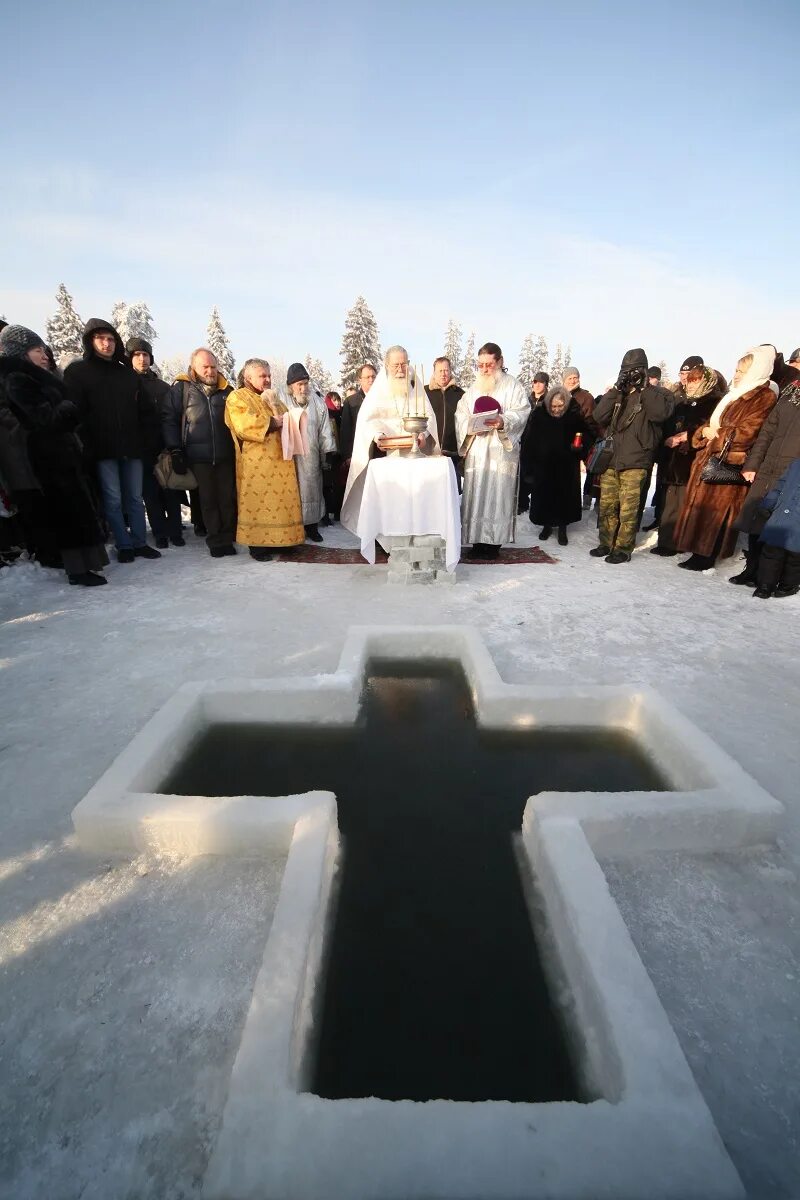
[
  {"x": 47, "y": 481},
  {"x": 706, "y": 526}
]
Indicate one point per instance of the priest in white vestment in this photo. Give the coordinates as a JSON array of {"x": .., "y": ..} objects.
[
  {"x": 491, "y": 457},
  {"x": 394, "y": 394}
]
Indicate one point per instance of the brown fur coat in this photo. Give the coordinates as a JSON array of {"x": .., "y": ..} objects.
[{"x": 705, "y": 525}]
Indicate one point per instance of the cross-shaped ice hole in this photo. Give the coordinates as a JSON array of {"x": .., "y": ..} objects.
[{"x": 435, "y": 987}]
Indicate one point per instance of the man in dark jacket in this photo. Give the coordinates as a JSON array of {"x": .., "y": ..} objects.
[
  {"x": 194, "y": 431},
  {"x": 163, "y": 505},
  {"x": 632, "y": 412},
  {"x": 585, "y": 402},
  {"x": 116, "y": 419},
  {"x": 350, "y": 410},
  {"x": 696, "y": 396},
  {"x": 444, "y": 395}
]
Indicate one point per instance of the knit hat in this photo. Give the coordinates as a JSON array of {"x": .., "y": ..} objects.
[
  {"x": 137, "y": 345},
  {"x": 634, "y": 360},
  {"x": 16, "y": 341},
  {"x": 295, "y": 374},
  {"x": 542, "y": 377},
  {"x": 654, "y": 372},
  {"x": 693, "y": 363}
]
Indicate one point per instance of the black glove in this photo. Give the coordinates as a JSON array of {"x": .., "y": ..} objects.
[{"x": 179, "y": 464}]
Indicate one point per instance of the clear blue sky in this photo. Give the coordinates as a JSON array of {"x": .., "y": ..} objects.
[{"x": 607, "y": 174}]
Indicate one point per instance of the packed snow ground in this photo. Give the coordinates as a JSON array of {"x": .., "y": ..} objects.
[{"x": 124, "y": 986}]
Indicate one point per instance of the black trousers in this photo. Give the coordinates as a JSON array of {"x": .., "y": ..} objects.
[
  {"x": 216, "y": 483},
  {"x": 777, "y": 566},
  {"x": 163, "y": 507}
]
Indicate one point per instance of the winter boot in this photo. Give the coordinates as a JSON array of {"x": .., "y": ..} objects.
[
  {"x": 747, "y": 576},
  {"x": 312, "y": 532},
  {"x": 562, "y": 535},
  {"x": 545, "y": 532},
  {"x": 87, "y": 579},
  {"x": 698, "y": 562}
]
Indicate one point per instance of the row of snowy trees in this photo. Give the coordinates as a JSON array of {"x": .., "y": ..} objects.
[
  {"x": 360, "y": 344},
  {"x": 534, "y": 356},
  {"x": 65, "y": 333}
]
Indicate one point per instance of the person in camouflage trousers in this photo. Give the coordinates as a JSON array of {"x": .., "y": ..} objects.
[
  {"x": 636, "y": 410},
  {"x": 620, "y": 498}
]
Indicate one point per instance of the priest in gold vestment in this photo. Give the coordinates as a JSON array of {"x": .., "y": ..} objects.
[{"x": 270, "y": 515}]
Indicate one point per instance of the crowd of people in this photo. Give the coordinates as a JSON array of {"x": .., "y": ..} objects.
[{"x": 92, "y": 456}]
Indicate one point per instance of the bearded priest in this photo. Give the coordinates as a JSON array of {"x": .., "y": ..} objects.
[
  {"x": 490, "y": 420},
  {"x": 394, "y": 394}
]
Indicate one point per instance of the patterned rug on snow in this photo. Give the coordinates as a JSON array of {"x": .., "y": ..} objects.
[{"x": 335, "y": 556}]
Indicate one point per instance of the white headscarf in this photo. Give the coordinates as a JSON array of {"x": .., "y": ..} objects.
[
  {"x": 756, "y": 375},
  {"x": 381, "y": 413}
]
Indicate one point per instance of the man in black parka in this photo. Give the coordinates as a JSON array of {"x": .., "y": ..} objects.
[{"x": 116, "y": 420}]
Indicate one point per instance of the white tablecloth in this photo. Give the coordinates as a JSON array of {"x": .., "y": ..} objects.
[{"x": 404, "y": 496}]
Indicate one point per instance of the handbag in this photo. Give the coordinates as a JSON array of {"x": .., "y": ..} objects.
[
  {"x": 599, "y": 459},
  {"x": 717, "y": 470},
  {"x": 167, "y": 477}
]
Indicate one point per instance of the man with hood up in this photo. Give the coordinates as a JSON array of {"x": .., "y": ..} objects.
[
  {"x": 632, "y": 412},
  {"x": 116, "y": 422}
]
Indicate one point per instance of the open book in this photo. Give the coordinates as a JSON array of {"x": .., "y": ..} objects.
[{"x": 478, "y": 422}]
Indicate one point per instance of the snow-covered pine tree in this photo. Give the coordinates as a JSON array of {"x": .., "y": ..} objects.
[
  {"x": 219, "y": 346},
  {"x": 541, "y": 356},
  {"x": 557, "y": 365},
  {"x": 527, "y": 363},
  {"x": 360, "y": 343},
  {"x": 319, "y": 375},
  {"x": 118, "y": 312},
  {"x": 567, "y": 357},
  {"x": 65, "y": 328},
  {"x": 278, "y": 369},
  {"x": 452, "y": 348},
  {"x": 665, "y": 379},
  {"x": 169, "y": 368},
  {"x": 468, "y": 369},
  {"x": 137, "y": 323}
]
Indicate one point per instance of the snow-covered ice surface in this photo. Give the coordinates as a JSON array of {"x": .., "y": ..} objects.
[{"x": 124, "y": 986}]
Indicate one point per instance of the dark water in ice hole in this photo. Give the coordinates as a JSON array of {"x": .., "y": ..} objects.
[{"x": 434, "y": 985}]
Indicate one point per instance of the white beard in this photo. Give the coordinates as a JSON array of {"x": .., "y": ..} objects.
[
  {"x": 488, "y": 383},
  {"x": 398, "y": 388}
]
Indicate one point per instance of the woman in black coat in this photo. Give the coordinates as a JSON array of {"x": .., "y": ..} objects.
[
  {"x": 554, "y": 435},
  {"x": 46, "y": 463},
  {"x": 775, "y": 448}
]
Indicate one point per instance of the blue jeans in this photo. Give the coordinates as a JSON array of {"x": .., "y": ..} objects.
[{"x": 121, "y": 485}]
